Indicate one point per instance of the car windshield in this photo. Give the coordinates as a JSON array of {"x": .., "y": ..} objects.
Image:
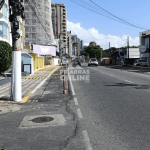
[
  {"x": 93, "y": 59},
  {"x": 142, "y": 60}
]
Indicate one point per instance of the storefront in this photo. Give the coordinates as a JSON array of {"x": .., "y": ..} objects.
[{"x": 144, "y": 38}]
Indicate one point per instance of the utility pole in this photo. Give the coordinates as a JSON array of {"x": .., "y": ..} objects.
[
  {"x": 128, "y": 48},
  {"x": 101, "y": 56},
  {"x": 16, "y": 10},
  {"x": 109, "y": 45}
]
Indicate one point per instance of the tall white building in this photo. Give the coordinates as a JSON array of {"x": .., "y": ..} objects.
[
  {"x": 59, "y": 17},
  {"x": 5, "y": 27},
  {"x": 38, "y": 24}
]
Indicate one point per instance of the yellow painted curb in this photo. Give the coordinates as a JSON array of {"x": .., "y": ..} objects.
[
  {"x": 26, "y": 98},
  {"x": 43, "y": 68},
  {"x": 55, "y": 70}
]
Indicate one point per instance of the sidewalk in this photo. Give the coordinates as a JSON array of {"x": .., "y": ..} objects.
[
  {"x": 46, "y": 121},
  {"x": 29, "y": 83}
]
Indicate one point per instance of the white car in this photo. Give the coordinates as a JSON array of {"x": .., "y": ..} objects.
[
  {"x": 64, "y": 62},
  {"x": 140, "y": 62},
  {"x": 93, "y": 61}
]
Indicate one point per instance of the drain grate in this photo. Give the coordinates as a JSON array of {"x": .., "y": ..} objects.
[{"x": 42, "y": 119}]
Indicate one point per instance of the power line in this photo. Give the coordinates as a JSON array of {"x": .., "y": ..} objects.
[
  {"x": 95, "y": 11},
  {"x": 103, "y": 12},
  {"x": 116, "y": 16},
  {"x": 95, "y": 7}
]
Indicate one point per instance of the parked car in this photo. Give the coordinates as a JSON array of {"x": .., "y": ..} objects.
[
  {"x": 93, "y": 61},
  {"x": 64, "y": 61},
  {"x": 140, "y": 62}
]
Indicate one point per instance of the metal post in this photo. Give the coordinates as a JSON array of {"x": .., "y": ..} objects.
[
  {"x": 128, "y": 48},
  {"x": 64, "y": 88},
  {"x": 101, "y": 57}
]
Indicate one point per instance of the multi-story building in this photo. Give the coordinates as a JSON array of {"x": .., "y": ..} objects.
[
  {"x": 144, "y": 38},
  {"x": 5, "y": 27},
  {"x": 38, "y": 24},
  {"x": 81, "y": 45},
  {"x": 92, "y": 43},
  {"x": 74, "y": 38},
  {"x": 77, "y": 43},
  {"x": 69, "y": 43},
  {"x": 60, "y": 26}
]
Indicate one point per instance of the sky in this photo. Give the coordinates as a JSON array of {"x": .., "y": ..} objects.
[{"x": 90, "y": 26}]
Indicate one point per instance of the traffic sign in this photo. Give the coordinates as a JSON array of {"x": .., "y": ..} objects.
[
  {"x": 142, "y": 48},
  {"x": 121, "y": 53},
  {"x": 16, "y": 35}
]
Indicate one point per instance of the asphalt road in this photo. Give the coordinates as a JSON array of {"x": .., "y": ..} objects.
[{"x": 113, "y": 109}]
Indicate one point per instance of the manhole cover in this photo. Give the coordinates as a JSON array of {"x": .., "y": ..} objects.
[{"x": 42, "y": 119}]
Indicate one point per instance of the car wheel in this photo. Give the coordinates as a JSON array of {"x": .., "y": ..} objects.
[
  {"x": 138, "y": 65},
  {"x": 88, "y": 65}
]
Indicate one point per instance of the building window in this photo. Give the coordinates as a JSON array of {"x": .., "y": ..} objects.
[
  {"x": 1, "y": 30},
  {"x": 4, "y": 30},
  {"x": 26, "y": 35},
  {"x": 5, "y": 11}
]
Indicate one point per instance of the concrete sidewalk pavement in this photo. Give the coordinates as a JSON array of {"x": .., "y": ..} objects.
[
  {"x": 29, "y": 83},
  {"x": 46, "y": 121}
]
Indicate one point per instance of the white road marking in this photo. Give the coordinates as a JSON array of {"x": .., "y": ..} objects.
[
  {"x": 72, "y": 89},
  {"x": 76, "y": 101},
  {"x": 110, "y": 75},
  {"x": 79, "y": 113},
  {"x": 40, "y": 84},
  {"x": 86, "y": 140},
  {"x": 129, "y": 81}
]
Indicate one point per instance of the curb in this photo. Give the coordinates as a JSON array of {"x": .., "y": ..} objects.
[{"x": 28, "y": 96}]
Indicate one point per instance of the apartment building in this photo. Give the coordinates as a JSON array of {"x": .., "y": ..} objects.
[
  {"x": 59, "y": 15},
  {"x": 144, "y": 38},
  {"x": 92, "y": 43},
  {"x": 38, "y": 24},
  {"x": 69, "y": 43},
  {"x": 5, "y": 27},
  {"x": 81, "y": 45}
]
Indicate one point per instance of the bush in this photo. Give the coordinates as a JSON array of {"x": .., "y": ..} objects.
[{"x": 5, "y": 56}]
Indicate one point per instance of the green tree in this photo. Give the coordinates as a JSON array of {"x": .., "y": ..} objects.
[
  {"x": 5, "y": 56},
  {"x": 95, "y": 51}
]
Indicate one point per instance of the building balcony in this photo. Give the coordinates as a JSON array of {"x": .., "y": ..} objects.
[{"x": 63, "y": 32}]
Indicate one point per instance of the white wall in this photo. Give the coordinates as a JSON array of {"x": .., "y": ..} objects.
[
  {"x": 134, "y": 53},
  {"x": 55, "y": 61}
]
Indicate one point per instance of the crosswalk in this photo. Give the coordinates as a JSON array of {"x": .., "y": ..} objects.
[{"x": 27, "y": 85}]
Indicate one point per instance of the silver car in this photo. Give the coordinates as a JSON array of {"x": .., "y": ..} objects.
[
  {"x": 93, "y": 61},
  {"x": 140, "y": 62},
  {"x": 64, "y": 62}
]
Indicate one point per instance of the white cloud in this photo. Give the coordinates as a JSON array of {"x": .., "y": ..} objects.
[{"x": 93, "y": 35}]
